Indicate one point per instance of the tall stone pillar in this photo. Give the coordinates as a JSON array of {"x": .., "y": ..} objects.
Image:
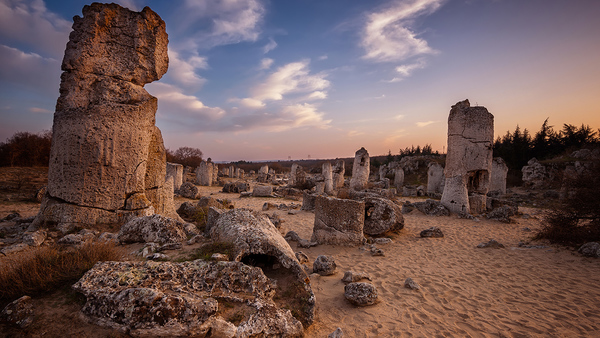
[
  {"x": 338, "y": 174},
  {"x": 360, "y": 170},
  {"x": 328, "y": 176},
  {"x": 469, "y": 158}
]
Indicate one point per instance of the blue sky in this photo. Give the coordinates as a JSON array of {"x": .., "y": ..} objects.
[{"x": 267, "y": 80}]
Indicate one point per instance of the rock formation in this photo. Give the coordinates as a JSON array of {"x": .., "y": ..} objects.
[
  {"x": 381, "y": 216},
  {"x": 339, "y": 169},
  {"x": 469, "y": 158},
  {"x": 360, "y": 170},
  {"x": 398, "y": 178},
  {"x": 338, "y": 221},
  {"x": 204, "y": 173},
  {"x": 107, "y": 161},
  {"x": 176, "y": 171},
  {"x": 498, "y": 179},
  {"x": 327, "y": 173},
  {"x": 435, "y": 178}
]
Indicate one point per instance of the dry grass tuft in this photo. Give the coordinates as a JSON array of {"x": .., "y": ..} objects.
[{"x": 46, "y": 269}]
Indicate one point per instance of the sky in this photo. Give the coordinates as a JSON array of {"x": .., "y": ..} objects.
[{"x": 295, "y": 79}]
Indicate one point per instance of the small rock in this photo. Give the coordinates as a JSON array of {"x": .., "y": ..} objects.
[
  {"x": 108, "y": 237},
  {"x": 190, "y": 229},
  {"x": 189, "y": 190},
  {"x": 351, "y": 276},
  {"x": 526, "y": 229},
  {"x": 411, "y": 284},
  {"x": 302, "y": 257},
  {"x": 361, "y": 294},
  {"x": 591, "y": 249},
  {"x": 14, "y": 248},
  {"x": 195, "y": 239},
  {"x": 71, "y": 239},
  {"x": 433, "y": 232},
  {"x": 377, "y": 252},
  {"x": 304, "y": 243},
  {"x": 293, "y": 212},
  {"x": 35, "y": 238},
  {"x": 383, "y": 240},
  {"x": 324, "y": 265},
  {"x": 11, "y": 217},
  {"x": 219, "y": 257},
  {"x": 170, "y": 246},
  {"x": 491, "y": 244},
  {"x": 158, "y": 257},
  {"x": 338, "y": 333},
  {"x": 292, "y": 236},
  {"x": 19, "y": 312}
]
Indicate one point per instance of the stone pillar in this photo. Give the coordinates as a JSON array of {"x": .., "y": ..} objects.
[
  {"x": 263, "y": 174},
  {"x": 215, "y": 176},
  {"x": 232, "y": 172},
  {"x": 360, "y": 170},
  {"x": 469, "y": 158},
  {"x": 399, "y": 178},
  {"x": 293, "y": 170},
  {"x": 107, "y": 161},
  {"x": 338, "y": 174},
  {"x": 499, "y": 173},
  {"x": 204, "y": 174},
  {"x": 238, "y": 173},
  {"x": 175, "y": 170},
  {"x": 435, "y": 178},
  {"x": 328, "y": 175},
  {"x": 382, "y": 171}
]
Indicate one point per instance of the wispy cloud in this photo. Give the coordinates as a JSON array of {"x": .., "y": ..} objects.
[
  {"x": 392, "y": 139},
  {"x": 425, "y": 124},
  {"x": 399, "y": 117},
  {"x": 185, "y": 71},
  {"x": 387, "y": 35},
  {"x": 36, "y": 73},
  {"x": 223, "y": 22},
  {"x": 172, "y": 100},
  {"x": 266, "y": 63},
  {"x": 40, "y": 110},
  {"x": 323, "y": 57},
  {"x": 269, "y": 46}
]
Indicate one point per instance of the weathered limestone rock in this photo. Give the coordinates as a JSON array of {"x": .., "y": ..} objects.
[
  {"x": 435, "y": 178},
  {"x": 338, "y": 221},
  {"x": 327, "y": 173},
  {"x": 35, "y": 238},
  {"x": 308, "y": 201},
  {"x": 491, "y": 244},
  {"x": 257, "y": 242},
  {"x": 236, "y": 187},
  {"x": 263, "y": 174},
  {"x": 590, "y": 249},
  {"x": 352, "y": 276},
  {"x": 502, "y": 213},
  {"x": 324, "y": 265},
  {"x": 204, "y": 174},
  {"x": 360, "y": 170},
  {"x": 361, "y": 294},
  {"x": 398, "y": 178},
  {"x": 175, "y": 170},
  {"x": 189, "y": 190},
  {"x": 469, "y": 157},
  {"x": 409, "y": 283},
  {"x": 262, "y": 191},
  {"x": 338, "y": 333},
  {"x": 19, "y": 312},
  {"x": 498, "y": 179},
  {"x": 182, "y": 299},
  {"x": 534, "y": 173},
  {"x": 106, "y": 148},
  {"x": 155, "y": 228},
  {"x": 339, "y": 169},
  {"x": 433, "y": 232},
  {"x": 431, "y": 208},
  {"x": 381, "y": 216}
]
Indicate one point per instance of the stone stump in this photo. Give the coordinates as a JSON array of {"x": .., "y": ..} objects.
[{"x": 338, "y": 221}]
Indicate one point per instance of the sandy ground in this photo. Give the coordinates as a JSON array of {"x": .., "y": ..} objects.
[
  {"x": 548, "y": 291},
  {"x": 465, "y": 291}
]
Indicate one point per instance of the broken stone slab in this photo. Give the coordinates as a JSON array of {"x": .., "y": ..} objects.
[
  {"x": 182, "y": 299},
  {"x": 352, "y": 276},
  {"x": 382, "y": 216},
  {"x": 324, "y": 265},
  {"x": 433, "y": 232},
  {"x": 361, "y": 293},
  {"x": 338, "y": 221},
  {"x": 258, "y": 242},
  {"x": 155, "y": 228}
]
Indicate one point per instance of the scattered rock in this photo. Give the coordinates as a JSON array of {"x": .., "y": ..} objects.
[
  {"x": 361, "y": 293},
  {"x": 189, "y": 190},
  {"x": 377, "y": 252},
  {"x": 14, "y": 248},
  {"x": 35, "y": 238},
  {"x": 590, "y": 249},
  {"x": 351, "y": 276},
  {"x": 433, "y": 232},
  {"x": 411, "y": 284},
  {"x": 491, "y": 244},
  {"x": 382, "y": 240},
  {"x": 195, "y": 239},
  {"x": 381, "y": 216},
  {"x": 432, "y": 208},
  {"x": 338, "y": 221},
  {"x": 155, "y": 228},
  {"x": 338, "y": 333},
  {"x": 262, "y": 191},
  {"x": 71, "y": 240},
  {"x": 502, "y": 214},
  {"x": 19, "y": 312},
  {"x": 292, "y": 236},
  {"x": 324, "y": 265},
  {"x": 219, "y": 257},
  {"x": 236, "y": 187},
  {"x": 302, "y": 257}
]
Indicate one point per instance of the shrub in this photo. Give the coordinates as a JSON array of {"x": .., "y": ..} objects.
[
  {"x": 46, "y": 269},
  {"x": 577, "y": 218}
]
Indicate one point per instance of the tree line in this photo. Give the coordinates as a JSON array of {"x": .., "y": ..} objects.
[{"x": 518, "y": 147}]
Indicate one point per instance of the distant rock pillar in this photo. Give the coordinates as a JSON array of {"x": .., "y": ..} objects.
[
  {"x": 328, "y": 176},
  {"x": 469, "y": 158},
  {"x": 360, "y": 170},
  {"x": 338, "y": 174},
  {"x": 204, "y": 174},
  {"x": 399, "y": 178},
  {"x": 435, "y": 178},
  {"x": 175, "y": 170},
  {"x": 499, "y": 173},
  {"x": 108, "y": 160}
]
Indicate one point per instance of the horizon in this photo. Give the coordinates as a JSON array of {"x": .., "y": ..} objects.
[{"x": 252, "y": 80}]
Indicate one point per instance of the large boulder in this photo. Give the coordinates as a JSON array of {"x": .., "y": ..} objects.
[
  {"x": 155, "y": 228},
  {"x": 184, "y": 299},
  {"x": 338, "y": 221},
  {"x": 256, "y": 241},
  {"x": 189, "y": 190},
  {"x": 107, "y": 161},
  {"x": 381, "y": 216}
]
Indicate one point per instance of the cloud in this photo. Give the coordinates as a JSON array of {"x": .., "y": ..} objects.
[
  {"x": 184, "y": 71},
  {"x": 269, "y": 46},
  {"x": 215, "y": 22},
  {"x": 172, "y": 102},
  {"x": 29, "y": 23},
  {"x": 353, "y": 133},
  {"x": 398, "y": 117},
  {"x": 392, "y": 139},
  {"x": 266, "y": 63},
  {"x": 251, "y": 103},
  {"x": 31, "y": 70},
  {"x": 426, "y": 123},
  {"x": 131, "y": 4},
  {"x": 323, "y": 57},
  {"x": 293, "y": 77},
  {"x": 40, "y": 110},
  {"x": 387, "y": 36},
  {"x": 317, "y": 95}
]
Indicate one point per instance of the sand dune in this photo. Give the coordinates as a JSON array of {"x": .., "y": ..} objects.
[{"x": 517, "y": 291}]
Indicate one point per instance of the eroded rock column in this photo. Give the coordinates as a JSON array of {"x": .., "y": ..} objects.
[
  {"x": 108, "y": 160},
  {"x": 360, "y": 170},
  {"x": 469, "y": 158},
  {"x": 339, "y": 169}
]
